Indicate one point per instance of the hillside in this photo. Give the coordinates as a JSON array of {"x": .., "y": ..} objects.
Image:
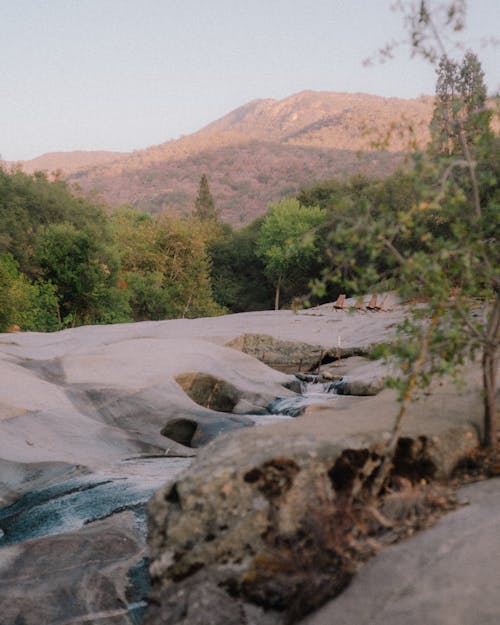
[
  {"x": 69, "y": 162},
  {"x": 259, "y": 153}
]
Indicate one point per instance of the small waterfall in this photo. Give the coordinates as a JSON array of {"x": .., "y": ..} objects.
[{"x": 313, "y": 389}]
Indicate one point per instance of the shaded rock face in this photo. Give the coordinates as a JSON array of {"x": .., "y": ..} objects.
[
  {"x": 273, "y": 533},
  {"x": 286, "y": 356},
  {"x": 263, "y": 511}
]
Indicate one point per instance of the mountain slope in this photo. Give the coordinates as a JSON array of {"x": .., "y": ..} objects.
[
  {"x": 243, "y": 177},
  {"x": 68, "y": 162},
  {"x": 262, "y": 151}
]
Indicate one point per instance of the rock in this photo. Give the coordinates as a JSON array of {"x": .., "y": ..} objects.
[
  {"x": 359, "y": 387},
  {"x": 286, "y": 356},
  {"x": 360, "y": 376},
  {"x": 447, "y": 575},
  {"x": 253, "y": 497},
  {"x": 17, "y": 478},
  {"x": 202, "y": 600},
  {"x": 95, "y": 401},
  {"x": 195, "y": 430},
  {"x": 80, "y": 576},
  {"x": 218, "y": 394}
]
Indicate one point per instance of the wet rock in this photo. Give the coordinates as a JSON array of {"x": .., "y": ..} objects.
[{"x": 80, "y": 576}]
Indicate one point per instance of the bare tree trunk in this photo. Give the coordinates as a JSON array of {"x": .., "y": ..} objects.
[
  {"x": 277, "y": 295},
  {"x": 490, "y": 362}
]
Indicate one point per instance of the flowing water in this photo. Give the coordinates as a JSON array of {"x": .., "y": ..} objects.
[
  {"x": 84, "y": 498},
  {"x": 314, "y": 389}
]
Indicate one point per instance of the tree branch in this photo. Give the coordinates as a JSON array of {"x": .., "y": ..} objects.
[{"x": 388, "y": 456}]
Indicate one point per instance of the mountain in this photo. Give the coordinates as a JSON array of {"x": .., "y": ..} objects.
[
  {"x": 68, "y": 162},
  {"x": 259, "y": 153}
]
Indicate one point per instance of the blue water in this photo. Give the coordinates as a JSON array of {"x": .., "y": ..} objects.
[{"x": 75, "y": 502}]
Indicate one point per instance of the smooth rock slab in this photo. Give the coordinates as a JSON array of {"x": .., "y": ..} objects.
[{"x": 448, "y": 575}]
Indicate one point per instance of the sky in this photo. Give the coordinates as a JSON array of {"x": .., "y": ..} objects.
[{"x": 126, "y": 74}]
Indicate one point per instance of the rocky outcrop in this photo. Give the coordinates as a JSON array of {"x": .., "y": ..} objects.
[
  {"x": 447, "y": 575},
  {"x": 287, "y": 356},
  {"x": 253, "y": 510},
  {"x": 93, "y": 420}
]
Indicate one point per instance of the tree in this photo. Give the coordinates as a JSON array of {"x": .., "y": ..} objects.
[
  {"x": 164, "y": 265},
  {"x": 84, "y": 273},
  {"x": 453, "y": 261},
  {"x": 204, "y": 204},
  {"x": 460, "y": 114},
  {"x": 28, "y": 203},
  {"x": 29, "y": 306},
  {"x": 238, "y": 275},
  {"x": 287, "y": 242}
]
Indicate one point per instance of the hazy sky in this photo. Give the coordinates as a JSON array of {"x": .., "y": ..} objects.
[{"x": 126, "y": 74}]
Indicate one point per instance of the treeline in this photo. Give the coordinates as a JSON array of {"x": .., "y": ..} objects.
[
  {"x": 65, "y": 262},
  {"x": 298, "y": 251}
]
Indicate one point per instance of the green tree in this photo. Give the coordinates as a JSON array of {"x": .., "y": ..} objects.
[
  {"x": 287, "y": 241},
  {"x": 29, "y": 306},
  {"x": 84, "y": 273},
  {"x": 461, "y": 118},
  {"x": 28, "y": 203},
  {"x": 204, "y": 204},
  {"x": 164, "y": 265},
  {"x": 238, "y": 275},
  {"x": 446, "y": 244}
]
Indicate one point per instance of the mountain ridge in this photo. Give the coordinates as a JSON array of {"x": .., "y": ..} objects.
[{"x": 258, "y": 153}]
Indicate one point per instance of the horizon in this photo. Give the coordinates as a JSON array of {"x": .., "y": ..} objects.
[{"x": 113, "y": 75}]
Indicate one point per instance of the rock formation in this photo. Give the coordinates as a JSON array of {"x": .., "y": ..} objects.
[{"x": 94, "y": 420}]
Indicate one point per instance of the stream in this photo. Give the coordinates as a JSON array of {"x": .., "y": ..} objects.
[
  {"x": 81, "y": 497},
  {"x": 314, "y": 389},
  {"x": 86, "y": 497}
]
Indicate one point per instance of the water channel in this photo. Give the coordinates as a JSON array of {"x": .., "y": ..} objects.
[{"x": 82, "y": 497}]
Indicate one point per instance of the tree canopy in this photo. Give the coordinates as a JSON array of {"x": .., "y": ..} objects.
[
  {"x": 65, "y": 261},
  {"x": 287, "y": 242}
]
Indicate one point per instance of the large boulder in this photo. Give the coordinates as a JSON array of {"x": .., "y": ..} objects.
[{"x": 247, "y": 508}]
